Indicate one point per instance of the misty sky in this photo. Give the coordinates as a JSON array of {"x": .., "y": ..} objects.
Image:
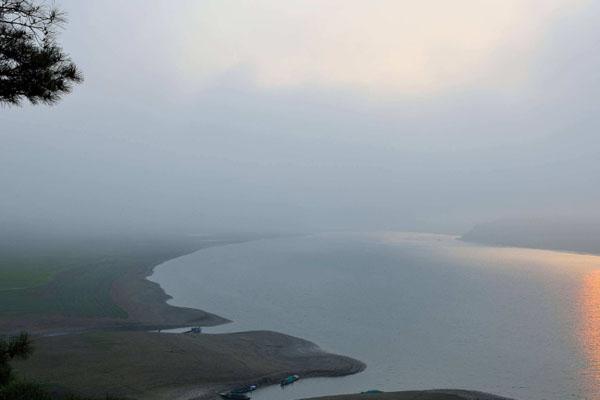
[{"x": 202, "y": 116}]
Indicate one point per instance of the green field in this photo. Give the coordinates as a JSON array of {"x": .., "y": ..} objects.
[
  {"x": 76, "y": 289},
  {"x": 15, "y": 274},
  {"x": 74, "y": 278},
  {"x": 19, "y": 271}
]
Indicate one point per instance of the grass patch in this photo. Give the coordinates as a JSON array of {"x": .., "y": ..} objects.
[
  {"x": 80, "y": 289},
  {"x": 24, "y": 270},
  {"x": 74, "y": 278},
  {"x": 14, "y": 275}
]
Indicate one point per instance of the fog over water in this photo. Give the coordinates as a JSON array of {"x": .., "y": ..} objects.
[{"x": 301, "y": 116}]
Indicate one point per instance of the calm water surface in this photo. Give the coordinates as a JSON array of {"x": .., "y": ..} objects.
[{"x": 423, "y": 311}]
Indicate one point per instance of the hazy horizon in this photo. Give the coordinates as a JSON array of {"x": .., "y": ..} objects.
[{"x": 304, "y": 115}]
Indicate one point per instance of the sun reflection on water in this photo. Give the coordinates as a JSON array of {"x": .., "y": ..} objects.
[
  {"x": 585, "y": 325},
  {"x": 589, "y": 334}
]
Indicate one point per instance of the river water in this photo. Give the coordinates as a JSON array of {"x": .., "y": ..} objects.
[{"x": 422, "y": 310}]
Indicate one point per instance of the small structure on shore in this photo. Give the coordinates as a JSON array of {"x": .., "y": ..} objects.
[{"x": 196, "y": 329}]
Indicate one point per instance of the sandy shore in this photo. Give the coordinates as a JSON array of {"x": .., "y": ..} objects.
[{"x": 146, "y": 303}]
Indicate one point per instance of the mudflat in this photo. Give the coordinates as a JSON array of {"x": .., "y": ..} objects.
[{"x": 442, "y": 394}]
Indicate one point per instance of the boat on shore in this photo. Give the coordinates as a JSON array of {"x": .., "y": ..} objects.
[
  {"x": 289, "y": 380},
  {"x": 245, "y": 389}
]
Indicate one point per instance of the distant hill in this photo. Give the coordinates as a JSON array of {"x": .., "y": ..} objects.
[{"x": 564, "y": 235}]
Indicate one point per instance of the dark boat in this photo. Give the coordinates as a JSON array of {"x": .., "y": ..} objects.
[
  {"x": 245, "y": 389},
  {"x": 289, "y": 380},
  {"x": 234, "y": 396}
]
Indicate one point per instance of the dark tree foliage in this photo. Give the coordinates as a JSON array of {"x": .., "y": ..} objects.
[
  {"x": 11, "y": 348},
  {"x": 32, "y": 65}
]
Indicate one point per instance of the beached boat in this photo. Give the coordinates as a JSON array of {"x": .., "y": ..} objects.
[
  {"x": 289, "y": 380},
  {"x": 234, "y": 396},
  {"x": 245, "y": 389}
]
